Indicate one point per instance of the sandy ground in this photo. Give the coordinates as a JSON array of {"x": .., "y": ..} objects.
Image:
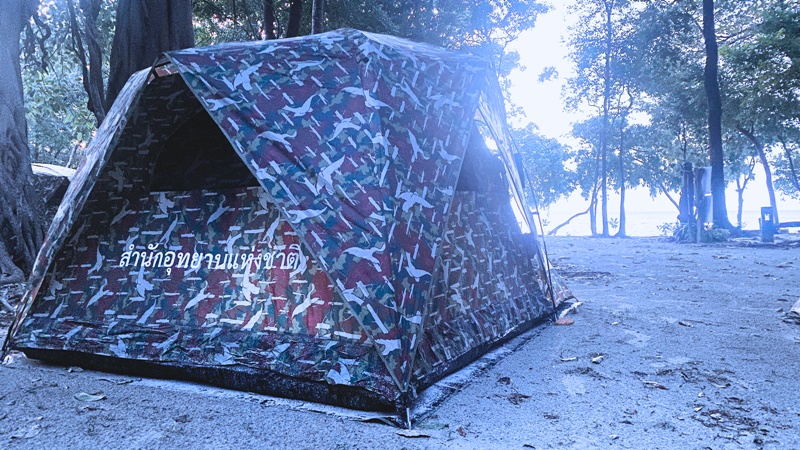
[{"x": 695, "y": 353}]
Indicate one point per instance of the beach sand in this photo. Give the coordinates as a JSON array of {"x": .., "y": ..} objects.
[{"x": 673, "y": 346}]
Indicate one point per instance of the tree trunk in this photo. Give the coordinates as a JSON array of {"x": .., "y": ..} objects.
[
  {"x": 621, "y": 230},
  {"x": 794, "y": 178},
  {"x": 146, "y": 29},
  {"x": 593, "y": 213},
  {"x": 740, "y": 200},
  {"x": 700, "y": 203},
  {"x": 91, "y": 69},
  {"x": 566, "y": 222},
  {"x": 21, "y": 234},
  {"x": 762, "y": 156},
  {"x": 689, "y": 194},
  {"x": 295, "y": 17},
  {"x": 604, "y": 128},
  {"x": 317, "y": 16},
  {"x": 664, "y": 189},
  {"x": 711, "y": 82},
  {"x": 269, "y": 20},
  {"x": 593, "y": 198},
  {"x": 740, "y": 187}
]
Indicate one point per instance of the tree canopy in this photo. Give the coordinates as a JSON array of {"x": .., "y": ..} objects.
[{"x": 645, "y": 70}]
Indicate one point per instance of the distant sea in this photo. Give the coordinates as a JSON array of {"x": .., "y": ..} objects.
[{"x": 646, "y": 223}]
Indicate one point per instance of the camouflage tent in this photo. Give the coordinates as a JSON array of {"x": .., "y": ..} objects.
[{"x": 318, "y": 217}]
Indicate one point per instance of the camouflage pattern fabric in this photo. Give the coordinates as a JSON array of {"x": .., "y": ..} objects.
[
  {"x": 359, "y": 139},
  {"x": 485, "y": 287},
  {"x": 355, "y": 142},
  {"x": 204, "y": 279}
]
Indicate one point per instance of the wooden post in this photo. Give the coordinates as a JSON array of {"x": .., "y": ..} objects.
[
  {"x": 687, "y": 201},
  {"x": 700, "y": 201}
]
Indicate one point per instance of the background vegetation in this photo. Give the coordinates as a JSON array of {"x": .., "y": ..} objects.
[{"x": 645, "y": 69}]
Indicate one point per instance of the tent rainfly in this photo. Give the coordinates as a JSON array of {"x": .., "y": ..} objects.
[{"x": 336, "y": 218}]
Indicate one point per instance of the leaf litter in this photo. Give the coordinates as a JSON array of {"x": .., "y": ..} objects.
[{"x": 85, "y": 397}]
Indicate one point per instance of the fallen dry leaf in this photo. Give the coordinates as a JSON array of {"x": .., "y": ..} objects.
[
  {"x": 120, "y": 381},
  {"x": 796, "y": 308},
  {"x": 572, "y": 309},
  {"x": 413, "y": 434},
  {"x": 564, "y": 321},
  {"x": 84, "y": 397},
  {"x": 516, "y": 398},
  {"x": 27, "y": 433},
  {"x": 655, "y": 384},
  {"x": 461, "y": 431}
]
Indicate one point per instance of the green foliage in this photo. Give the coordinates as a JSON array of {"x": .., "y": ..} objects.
[
  {"x": 219, "y": 21},
  {"x": 712, "y": 234},
  {"x": 546, "y": 166},
  {"x": 645, "y": 59},
  {"x": 787, "y": 167},
  {"x": 483, "y": 28},
  {"x": 669, "y": 44},
  {"x": 680, "y": 232},
  {"x": 763, "y": 80},
  {"x": 654, "y": 75},
  {"x": 59, "y": 123}
]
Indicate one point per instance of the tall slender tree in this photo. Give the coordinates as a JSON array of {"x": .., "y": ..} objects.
[
  {"x": 317, "y": 16},
  {"x": 295, "y": 18},
  {"x": 602, "y": 57},
  {"x": 92, "y": 65},
  {"x": 21, "y": 233},
  {"x": 269, "y": 20},
  {"x": 711, "y": 83}
]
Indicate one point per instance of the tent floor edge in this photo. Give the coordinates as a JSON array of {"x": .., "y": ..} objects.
[{"x": 241, "y": 378}]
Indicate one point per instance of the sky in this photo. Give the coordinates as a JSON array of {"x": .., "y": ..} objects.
[{"x": 545, "y": 46}]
